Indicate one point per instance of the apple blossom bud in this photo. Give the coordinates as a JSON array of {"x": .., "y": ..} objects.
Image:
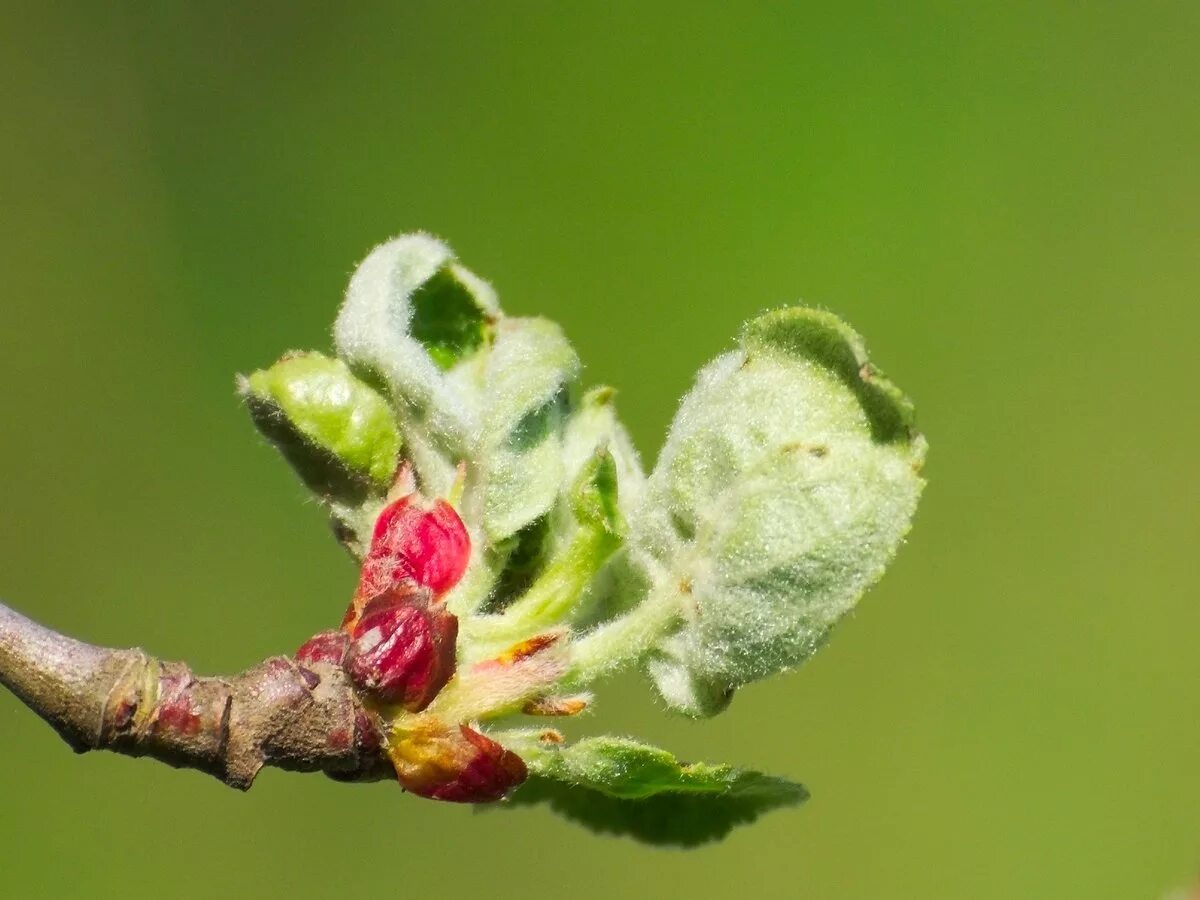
[
  {"x": 456, "y": 764},
  {"x": 403, "y": 648},
  {"x": 426, "y": 542}
]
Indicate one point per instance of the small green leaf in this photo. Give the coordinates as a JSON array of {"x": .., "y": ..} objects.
[
  {"x": 826, "y": 340},
  {"x": 336, "y": 431},
  {"x": 555, "y": 583},
  {"x": 624, "y": 787},
  {"x": 687, "y": 688},
  {"x": 787, "y": 483},
  {"x": 594, "y": 427},
  {"x": 594, "y": 499},
  {"x": 412, "y": 318},
  {"x": 527, "y": 379}
]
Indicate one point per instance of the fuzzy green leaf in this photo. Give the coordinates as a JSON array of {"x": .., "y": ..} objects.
[
  {"x": 553, "y": 584},
  {"x": 624, "y": 787},
  {"x": 527, "y": 380},
  {"x": 787, "y": 483},
  {"x": 412, "y": 319},
  {"x": 601, "y": 473},
  {"x": 594, "y": 427},
  {"x": 594, "y": 497},
  {"x": 336, "y": 431}
]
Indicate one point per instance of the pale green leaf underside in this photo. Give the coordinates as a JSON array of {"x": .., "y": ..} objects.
[
  {"x": 418, "y": 324},
  {"x": 467, "y": 383},
  {"x": 372, "y": 333},
  {"x": 787, "y": 483},
  {"x": 526, "y": 383}
]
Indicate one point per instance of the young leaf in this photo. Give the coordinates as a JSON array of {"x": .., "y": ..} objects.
[
  {"x": 527, "y": 379},
  {"x": 593, "y": 427},
  {"x": 624, "y": 787},
  {"x": 336, "y": 431},
  {"x": 787, "y": 483},
  {"x": 595, "y": 433},
  {"x": 555, "y": 586},
  {"x": 410, "y": 314}
]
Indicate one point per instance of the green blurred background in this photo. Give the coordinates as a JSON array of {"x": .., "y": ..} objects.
[{"x": 1005, "y": 198}]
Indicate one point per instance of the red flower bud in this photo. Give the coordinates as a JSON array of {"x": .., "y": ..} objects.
[
  {"x": 412, "y": 541},
  {"x": 490, "y": 774},
  {"x": 429, "y": 544},
  {"x": 403, "y": 648},
  {"x": 459, "y": 765},
  {"x": 326, "y": 646}
]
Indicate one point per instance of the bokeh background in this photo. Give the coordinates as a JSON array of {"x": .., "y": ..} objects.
[{"x": 1004, "y": 197}]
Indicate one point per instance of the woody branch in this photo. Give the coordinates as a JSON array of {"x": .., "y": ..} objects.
[{"x": 299, "y": 717}]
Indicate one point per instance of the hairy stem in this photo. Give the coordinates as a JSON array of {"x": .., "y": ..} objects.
[
  {"x": 277, "y": 713},
  {"x": 624, "y": 640}
]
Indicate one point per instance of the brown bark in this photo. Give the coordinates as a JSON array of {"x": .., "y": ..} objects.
[{"x": 305, "y": 718}]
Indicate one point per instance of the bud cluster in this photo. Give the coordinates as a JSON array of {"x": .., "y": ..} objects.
[
  {"x": 514, "y": 551},
  {"x": 398, "y": 646}
]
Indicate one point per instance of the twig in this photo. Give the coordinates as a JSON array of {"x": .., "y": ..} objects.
[{"x": 279, "y": 713}]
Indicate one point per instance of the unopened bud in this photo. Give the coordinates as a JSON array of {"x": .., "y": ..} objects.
[
  {"x": 326, "y": 646},
  {"x": 403, "y": 648},
  {"x": 425, "y": 542},
  {"x": 457, "y": 764}
]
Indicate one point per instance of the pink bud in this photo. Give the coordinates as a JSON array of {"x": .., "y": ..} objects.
[
  {"x": 427, "y": 543},
  {"x": 326, "y": 646},
  {"x": 459, "y": 765},
  {"x": 403, "y": 648},
  {"x": 490, "y": 774}
]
